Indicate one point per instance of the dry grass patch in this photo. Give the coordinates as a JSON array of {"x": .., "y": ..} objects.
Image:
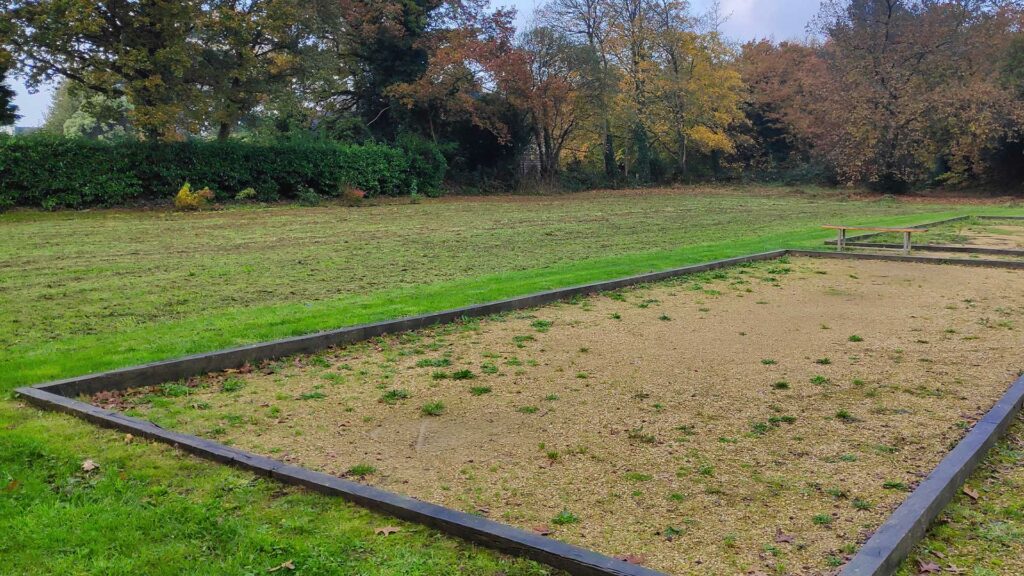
[{"x": 719, "y": 441}]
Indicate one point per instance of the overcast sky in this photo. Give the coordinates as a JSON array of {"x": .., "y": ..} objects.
[{"x": 746, "y": 19}]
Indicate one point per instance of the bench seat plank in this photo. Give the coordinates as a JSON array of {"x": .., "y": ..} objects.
[{"x": 873, "y": 228}]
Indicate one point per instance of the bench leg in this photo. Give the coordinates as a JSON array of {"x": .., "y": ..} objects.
[
  {"x": 906, "y": 242},
  {"x": 841, "y": 241}
]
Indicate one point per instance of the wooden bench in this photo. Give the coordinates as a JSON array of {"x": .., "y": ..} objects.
[{"x": 841, "y": 241}]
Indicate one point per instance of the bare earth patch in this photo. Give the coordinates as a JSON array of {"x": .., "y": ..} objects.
[
  {"x": 1007, "y": 234},
  {"x": 760, "y": 418}
]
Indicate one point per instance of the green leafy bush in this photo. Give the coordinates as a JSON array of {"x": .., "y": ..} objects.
[
  {"x": 426, "y": 163},
  {"x": 52, "y": 172}
]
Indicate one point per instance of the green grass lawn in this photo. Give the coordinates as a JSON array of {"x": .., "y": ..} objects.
[
  {"x": 86, "y": 291},
  {"x": 983, "y": 536}
]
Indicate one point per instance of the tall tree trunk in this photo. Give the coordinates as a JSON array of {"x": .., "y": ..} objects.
[
  {"x": 610, "y": 169},
  {"x": 685, "y": 150},
  {"x": 224, "y": 131},
  {"x": 550, "y": 163}
]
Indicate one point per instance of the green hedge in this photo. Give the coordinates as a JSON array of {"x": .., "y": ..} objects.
[{"x": 53, "y": 172}]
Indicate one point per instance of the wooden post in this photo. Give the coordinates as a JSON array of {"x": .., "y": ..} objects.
[
  {"x": 906, "y": 242},
  {"x": 841, "y": 241}
]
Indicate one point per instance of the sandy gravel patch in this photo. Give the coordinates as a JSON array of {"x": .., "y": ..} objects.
[{"x": 760, "y": 418}]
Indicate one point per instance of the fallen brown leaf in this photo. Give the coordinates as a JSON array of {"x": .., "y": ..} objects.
[
  {"x": 782, "y": 537},
  {"x": 542, "y": 529},
  {"x": 128, "y": 438},
  {"x": 12, "y": 486},
  {"x": 928, "y": 567},
  {"x": 88, "y": 465},
  {"x": 386, "y": 530},
  {"x": 632, "y": 559},
  {"x": 970, "y": 492},
  {"x": 286, "y": 565}
]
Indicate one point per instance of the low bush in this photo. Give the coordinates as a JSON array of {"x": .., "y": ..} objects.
[
  {"x": 52, "y": 172},
  {"x": 186, "y": 199}
]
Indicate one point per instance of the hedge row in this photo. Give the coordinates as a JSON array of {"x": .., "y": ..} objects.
[{"x": 70, "y": 173}]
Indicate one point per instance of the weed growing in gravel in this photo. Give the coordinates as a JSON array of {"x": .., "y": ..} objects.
[
  {"x": 781, "y": 385},
  {"x": 361, "y": 470},
  {"x": 312, "y": 396},
  {"x": 855, "y": 338},
  {"x": 638, "y": 435},
  {"x": 174, "y": 390},
  {"x": 541, "y": 325},
  {"x": 521, "y": 340},
  {"x": 687, "y": 429},
  {"x": 565, "y": 517},
  {"x": 432, "y": 408},
  {"x": 769, "y": 362},
  {"x": 822, "y": 519},
  {"x": 464, "y": 374},
  {"x": 488, "y": 368},
  {"x": 232, "y": 384},
  {"x": 861, "y": 504},
  {"x": 333, "y": 378},
  {"x": 527, "y": 409},
  {"x": 819, "y": 380},
  {"x": 480, "y": 390},
  {"x": 823, "y": 361},
  {"x": 433, "y": 362},
  {"x": 393, "y": 396}
]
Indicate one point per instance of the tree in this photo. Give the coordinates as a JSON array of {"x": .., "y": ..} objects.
[
  {"x": 8, "y": 111},
  {"x": 563, "y": 94},
  {"x": 63, "y": 105},
  {"x": 894, "y": 65},
  {"x": 471, "y": 53},
  {"x": 250, "y": 49},
  {"x": 364, "y": 48},
  {"x": 697, "y": 94},
  {"x": 587, "y": 23},
  {"x": 632, "y": 41},
  {"x": 183, "y": 66},
  {"x": 786, "y": 87},
  {"x": 77, "y": 112},
  {"x": 140, "y": 50}
]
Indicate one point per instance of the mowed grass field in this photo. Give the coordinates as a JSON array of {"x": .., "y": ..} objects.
[{"x": 86, "y": 291}]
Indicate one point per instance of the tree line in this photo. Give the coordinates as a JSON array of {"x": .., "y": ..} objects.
[{"x": 891, "y": 94}]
